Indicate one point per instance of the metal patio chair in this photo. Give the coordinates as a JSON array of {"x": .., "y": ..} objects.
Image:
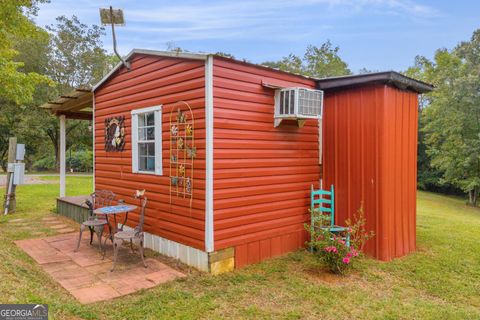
[
  {"x": 96, "y": 223},
  {"x": 135, "y": 235},
  {"x": 322, "y": 210}
]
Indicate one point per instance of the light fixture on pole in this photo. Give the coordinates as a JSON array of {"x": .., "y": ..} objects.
[{"x": 114, "y": 17}]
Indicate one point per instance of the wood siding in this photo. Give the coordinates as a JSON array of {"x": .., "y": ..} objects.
[
  {"x": 370, "y": 154},
  {"x": 262, "y": 174},
  {"x": 154, "y": 81}
]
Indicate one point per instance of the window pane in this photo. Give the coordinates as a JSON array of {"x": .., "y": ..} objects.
[
  {"x": 142, "y": 134},
  {"x": 292, "y": 102},
  {"x": 151, "y": 149},
  {"x": 281, "y": 102},
  {"x": 146, "y": 149},
  {"x": 151, "y": 163},
  {"x": 141, "y": 120},
  {"x": 142, "y": 149},
  {"x": 151, "y": 133},
  {"x": 150, "y": 119},
  {"x": 146, "y": 163}
]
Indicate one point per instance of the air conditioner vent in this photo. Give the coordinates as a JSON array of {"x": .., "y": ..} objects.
[{"x": 298, "y": 104}]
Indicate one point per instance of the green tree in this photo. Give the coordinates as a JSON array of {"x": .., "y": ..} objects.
[
  {"x": 71, "y": 54},
  {"x": 19, "y": 81},
  {"x": 452, "y": 115},
  {"x": 15, "y": 25},
  {"x": 318, "y": 62},
  {"x": 76, "y": 58}
]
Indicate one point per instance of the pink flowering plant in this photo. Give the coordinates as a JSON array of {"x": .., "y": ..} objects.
[
  {"x": 331, "y": 247},
  {"x": 332, "y": 250}
]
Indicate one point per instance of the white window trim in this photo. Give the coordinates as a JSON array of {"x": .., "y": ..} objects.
[{"x": 158, "y": 139}]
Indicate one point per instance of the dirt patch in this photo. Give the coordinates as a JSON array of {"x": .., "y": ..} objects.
[{"x": 28, "y": 180}]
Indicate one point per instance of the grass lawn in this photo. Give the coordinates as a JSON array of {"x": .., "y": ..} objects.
[{"x": 440, "y": 281}]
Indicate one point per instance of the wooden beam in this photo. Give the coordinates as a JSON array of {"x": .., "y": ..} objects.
[
  {"x": 80, "y": 107},
  {"x": 74, "y": 104},
  {"x": 76, "y": 115}
]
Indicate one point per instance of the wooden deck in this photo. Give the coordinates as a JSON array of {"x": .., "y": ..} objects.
[{"x": 73, "y": 207}]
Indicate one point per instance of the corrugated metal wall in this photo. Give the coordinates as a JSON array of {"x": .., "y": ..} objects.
[
  {"x": 370, "y": 152},
  {"x": 262, "y": 174},
  {"x": 154, "y": 81}
]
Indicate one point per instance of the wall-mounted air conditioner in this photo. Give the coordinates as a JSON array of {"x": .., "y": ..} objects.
[{"x": 298, "y": 104}]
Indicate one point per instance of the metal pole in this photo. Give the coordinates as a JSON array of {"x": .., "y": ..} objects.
[
  {"x": 10, "y": 201},
  {"x": 62, "y": 154},
  {"x": 7, "y": 197},
  {"x": 125, "y": 63}
]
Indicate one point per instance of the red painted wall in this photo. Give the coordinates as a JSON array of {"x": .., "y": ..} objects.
[
  {"x": 262, "y": 174},
  {"x": 153, "y": 81},
  {"x": 370, "y": 155}
]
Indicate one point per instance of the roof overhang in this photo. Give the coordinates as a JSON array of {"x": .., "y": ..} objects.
[
  {"x": 76, "y": 104},
  {"x": 173, "y": 54},
  {"x": 389, "y": 77}
]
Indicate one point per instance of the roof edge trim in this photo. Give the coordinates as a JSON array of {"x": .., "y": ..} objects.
[{"x": 389, "y": 77}]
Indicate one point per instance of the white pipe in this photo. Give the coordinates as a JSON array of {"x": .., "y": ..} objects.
[{"x": 62, "y": 155}]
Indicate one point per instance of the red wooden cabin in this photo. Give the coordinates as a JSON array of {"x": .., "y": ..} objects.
[{"x": 251, "y": 180}]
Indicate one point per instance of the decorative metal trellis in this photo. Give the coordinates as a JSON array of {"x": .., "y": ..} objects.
[{"x": 182, "y": 151}]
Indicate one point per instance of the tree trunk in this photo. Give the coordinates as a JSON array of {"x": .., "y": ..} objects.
[
  {"x": 473, "y": 196},
  {"x": 57, "y": 157}
]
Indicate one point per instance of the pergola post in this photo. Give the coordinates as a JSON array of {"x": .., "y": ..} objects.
[{"x": 62, "y": 119}]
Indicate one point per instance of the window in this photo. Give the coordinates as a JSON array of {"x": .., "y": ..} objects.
[{"x": 147, "y": 140}]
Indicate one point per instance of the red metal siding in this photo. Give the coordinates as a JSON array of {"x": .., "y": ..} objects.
[
  {"x": 370, "y": 141},
  {"x": 262, "y": 174},
  {"x": 154, "y": 81}
]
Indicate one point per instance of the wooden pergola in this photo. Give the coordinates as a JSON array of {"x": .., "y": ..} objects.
[{"x": 77, "y": 104}]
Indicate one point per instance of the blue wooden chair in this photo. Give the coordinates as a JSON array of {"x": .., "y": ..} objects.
[{"x": 322, "y": 210}]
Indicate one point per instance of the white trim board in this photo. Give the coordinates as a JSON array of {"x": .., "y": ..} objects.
[{"x": 209, "y": 239}]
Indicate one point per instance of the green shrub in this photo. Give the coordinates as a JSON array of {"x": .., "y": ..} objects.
[
  {"x": 44, "y": 164},
  {"x": 79, "y": 161}
]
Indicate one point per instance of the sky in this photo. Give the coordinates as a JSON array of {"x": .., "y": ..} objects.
[{"x": 377, "y": 35}]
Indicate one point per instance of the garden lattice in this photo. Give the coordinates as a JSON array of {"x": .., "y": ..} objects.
[{"x": 182, "y": 151}]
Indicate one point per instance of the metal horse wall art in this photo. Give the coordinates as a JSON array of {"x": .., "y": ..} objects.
[{"x": 115, "y": 134}]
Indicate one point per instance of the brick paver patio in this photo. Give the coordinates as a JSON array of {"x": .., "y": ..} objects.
[{"x": 86, "y": 276}]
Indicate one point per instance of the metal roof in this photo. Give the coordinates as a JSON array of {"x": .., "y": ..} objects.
[
  {"x": 175, "y": 54},
  {"x": 388, "y": 77},
  {"x": 76, "y": 104}
]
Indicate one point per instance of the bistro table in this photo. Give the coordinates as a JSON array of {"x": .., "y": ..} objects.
[{"x": 113, "y": 211}]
